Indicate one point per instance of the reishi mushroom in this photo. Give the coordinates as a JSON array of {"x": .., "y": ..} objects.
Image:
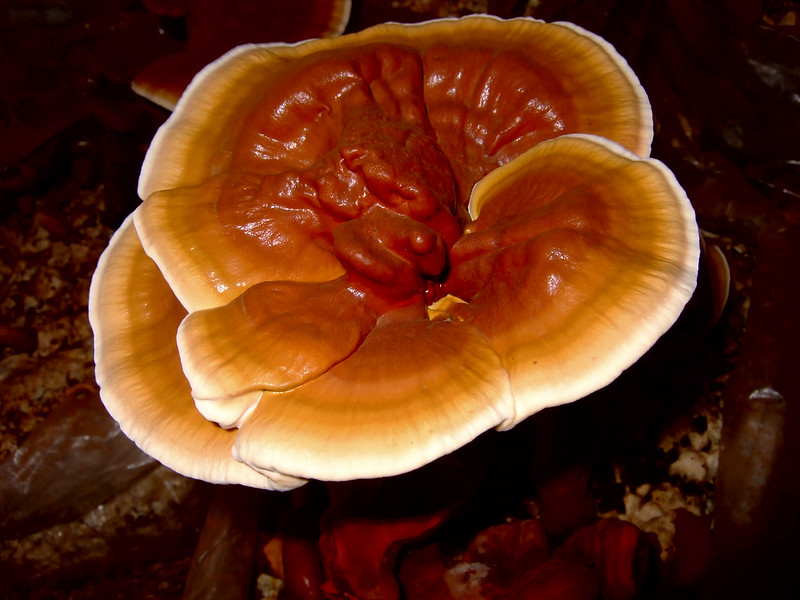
[
  {"x": 213, "y": 28},
  {"x": 355, "y": 255}
]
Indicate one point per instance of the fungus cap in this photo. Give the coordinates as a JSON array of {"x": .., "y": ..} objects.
[
  {"x": 258, "y": 119},
  {"x": 371, "y": 250},
  {"x": 134, "y": 316},
  {"x": 580, "y": 256}
]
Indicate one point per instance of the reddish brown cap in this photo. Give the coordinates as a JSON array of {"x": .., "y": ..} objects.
[{"x": 355, "y": 255}]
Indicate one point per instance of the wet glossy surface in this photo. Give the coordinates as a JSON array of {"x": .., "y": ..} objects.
[
  {"x": 358, "y": 155},
  {"x": 722, "y": 78},
  {"x": 318, "y": 140},
  {"x": 331, "y": 145}
]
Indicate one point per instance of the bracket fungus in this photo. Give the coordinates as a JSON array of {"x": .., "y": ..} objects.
[
  {"x": 213, "y": 28},
  {"x": 355, "y": 255}
]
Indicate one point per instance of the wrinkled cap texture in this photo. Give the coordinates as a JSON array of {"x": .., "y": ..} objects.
[{"x": 356, "y": 255}]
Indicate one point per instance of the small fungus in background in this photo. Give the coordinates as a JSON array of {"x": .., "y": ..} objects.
[
  {"x": 355, "y": 255},
  {"x": 213, "y": 28}
]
